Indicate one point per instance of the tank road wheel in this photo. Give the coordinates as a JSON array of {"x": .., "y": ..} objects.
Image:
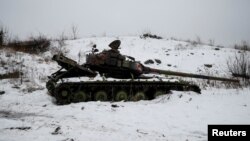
[
  {"x": 80, "y": 96},
  {"x": 139, "y": 96},
  {"x": 101, "y": 96},
  {"x": 121, "y": 95},
  {"x": 50, "y": 85},
  {"x": 158, "y": 93},
  {"x": 63, "y": 95}
]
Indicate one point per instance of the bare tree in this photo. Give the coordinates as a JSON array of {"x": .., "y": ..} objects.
[
  {"x": 211, "y": 42},
  {"x": 3, "y": 34},
  {"x": 198, "y": 39},
  {"x": 74, "y": 31}
]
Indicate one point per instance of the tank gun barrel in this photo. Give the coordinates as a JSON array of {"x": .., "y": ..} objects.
[{"x": 191, "y": 75}]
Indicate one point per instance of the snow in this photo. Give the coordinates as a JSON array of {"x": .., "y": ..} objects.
[{"x": 177, "y": 116}]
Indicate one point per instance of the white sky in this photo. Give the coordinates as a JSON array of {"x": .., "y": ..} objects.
[{"x": 225, "y": 21}]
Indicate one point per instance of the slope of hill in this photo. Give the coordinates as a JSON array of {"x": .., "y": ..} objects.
[{"x": 28, "y": 113}]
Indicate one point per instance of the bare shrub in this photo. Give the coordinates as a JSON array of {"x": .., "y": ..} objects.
[
  {"x": 173, "y": 38},
  {"x": 34, "y": 45},
  {"x": 180, "y": 47},
  {"x": 150, "y": 35},
  {"x": 243, "y": 46},
  {"x": 194, "y": 43},
  {"x": 3, "y": 35},
  {"x": 59, "y": 46},
  {"x": 211, "y": 42},
  {"x": 239, "y": 66},
  {"x": 62, "y": 44},
  {"x": 61, "y": 40},
  {"x": 198, "y": 40}
]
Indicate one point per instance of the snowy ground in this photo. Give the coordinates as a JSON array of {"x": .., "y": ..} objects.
[{"x": 28, "y": 113}]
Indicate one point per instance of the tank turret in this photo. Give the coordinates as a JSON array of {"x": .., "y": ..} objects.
[{"x": 113, "y": 64}]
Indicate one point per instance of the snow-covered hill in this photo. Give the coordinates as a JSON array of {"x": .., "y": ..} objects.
[{"x": 28, "y": 113}]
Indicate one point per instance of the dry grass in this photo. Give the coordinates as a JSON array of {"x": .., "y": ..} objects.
[
  {"x": 15, "y": 74},
  {"x": 34, "y": 45}
]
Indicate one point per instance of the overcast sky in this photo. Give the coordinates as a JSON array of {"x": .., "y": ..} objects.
[{"x": 225, "y": 21}]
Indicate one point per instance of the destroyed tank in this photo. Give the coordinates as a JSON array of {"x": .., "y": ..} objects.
[{"x": 129, "y": 81}]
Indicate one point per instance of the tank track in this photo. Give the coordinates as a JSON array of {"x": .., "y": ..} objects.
[{"x": 68, "y": 92}]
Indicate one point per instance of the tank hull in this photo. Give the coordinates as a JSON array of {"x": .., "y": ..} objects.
[{"x": 69, "y": 92}]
